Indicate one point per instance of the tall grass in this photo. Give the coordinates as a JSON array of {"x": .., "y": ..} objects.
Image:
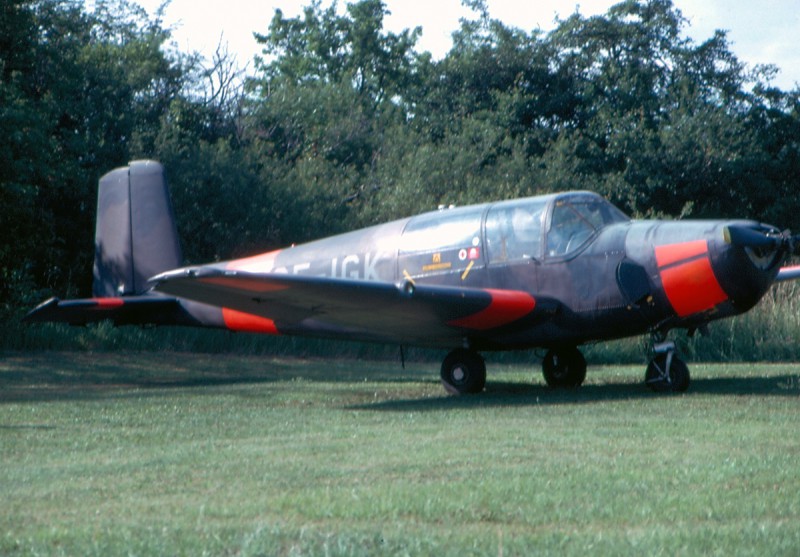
[{"x": 769, "y": 332}]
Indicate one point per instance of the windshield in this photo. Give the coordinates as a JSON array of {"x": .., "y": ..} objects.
[{"x": 576, "y": 220}]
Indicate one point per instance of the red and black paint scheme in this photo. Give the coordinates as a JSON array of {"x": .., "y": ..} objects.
[{"x": 552, "y": 272}]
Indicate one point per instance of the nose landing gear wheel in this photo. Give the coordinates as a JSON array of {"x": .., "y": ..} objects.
[
  {"x": 564, "y": 368},
  {"x": 463, "y": 372},
  {"x": 667, "y": 372}
]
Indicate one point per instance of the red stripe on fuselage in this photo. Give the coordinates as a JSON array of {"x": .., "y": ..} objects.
[
  {"x": 262, "y": 263},
  {"x": 688, "y": 278},
  {"x": 505, "y": 307},
  {"x": 673, "y": 253}
]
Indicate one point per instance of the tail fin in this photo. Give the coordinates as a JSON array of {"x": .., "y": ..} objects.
[{"x": 136, "y": 237}]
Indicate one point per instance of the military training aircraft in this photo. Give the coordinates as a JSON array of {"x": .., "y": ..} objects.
[{"x": 550, "y": 272}]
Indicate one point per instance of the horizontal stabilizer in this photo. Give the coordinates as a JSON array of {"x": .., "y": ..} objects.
[{"x": 134, "y": 310}]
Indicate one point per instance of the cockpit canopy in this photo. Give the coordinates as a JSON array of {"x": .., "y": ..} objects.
[{"x": 546, "y": 226}]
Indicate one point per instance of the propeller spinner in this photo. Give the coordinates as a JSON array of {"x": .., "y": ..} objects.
[{"x": 765, "y": 245}]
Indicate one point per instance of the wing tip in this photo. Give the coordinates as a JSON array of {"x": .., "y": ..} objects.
[{"x": 788, "y": 273}]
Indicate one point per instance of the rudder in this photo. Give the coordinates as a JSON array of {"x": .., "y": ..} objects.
[{"x": 135, "y": 236}]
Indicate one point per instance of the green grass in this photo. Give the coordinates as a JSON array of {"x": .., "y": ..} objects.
[{"x": 182, "y": 454}]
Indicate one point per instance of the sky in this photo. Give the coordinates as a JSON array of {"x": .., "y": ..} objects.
[{"x": 764, "y": 32}]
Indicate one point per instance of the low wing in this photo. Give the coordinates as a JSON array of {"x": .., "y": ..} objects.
[{"x": 408, "y": 313}]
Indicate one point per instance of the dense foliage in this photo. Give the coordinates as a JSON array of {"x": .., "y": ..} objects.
[{"x": 343, "y": 124}]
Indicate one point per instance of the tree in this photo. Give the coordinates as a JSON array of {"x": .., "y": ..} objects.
[
  {"x": 334, "y": 86},
  {"x": 349, "y": 50},
  {"x": 81, "y": 93},
  {"x": 660, "y": 125}
]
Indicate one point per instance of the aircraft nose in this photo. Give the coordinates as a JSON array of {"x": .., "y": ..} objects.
[
  {"x": 707, "y": 269},
  {"x": 748, "y": 260}
]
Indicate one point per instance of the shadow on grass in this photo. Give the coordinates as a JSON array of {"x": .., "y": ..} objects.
[
  {"x": 520, "y": 394},
  {"x": 79, "y": 375}
]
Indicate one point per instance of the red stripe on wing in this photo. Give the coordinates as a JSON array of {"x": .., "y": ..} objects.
[
  {"x": 251, "y": 285},
  {"x": 248, "y": 323},
  {"x": 506, "y": 306}
]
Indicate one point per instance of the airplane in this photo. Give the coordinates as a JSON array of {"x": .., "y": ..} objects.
[{"x": 550, "y": 272}]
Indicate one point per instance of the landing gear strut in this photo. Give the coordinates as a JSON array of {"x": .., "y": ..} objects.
[
  {"x": 666, "y": 371},
  {"x": 463, "y": 372},
  {"x": 564, "y": 368}
]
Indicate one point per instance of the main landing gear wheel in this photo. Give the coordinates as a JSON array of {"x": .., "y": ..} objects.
[
  {"x": 564, "y": 368},
  {"x": 667, "y": 372},
  {"x": 463, "y": 372}
]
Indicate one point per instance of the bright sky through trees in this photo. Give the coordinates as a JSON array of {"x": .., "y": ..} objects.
[{"x": 759, "y": 32}]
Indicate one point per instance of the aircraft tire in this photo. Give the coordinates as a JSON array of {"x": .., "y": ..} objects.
[
  {"x": 463, "y": 372},
  {"x": 564, "y": 368},
  {"x": 676, "y": 381}
]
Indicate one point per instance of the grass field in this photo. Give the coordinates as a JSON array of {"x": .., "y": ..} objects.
[{"x": 181, "y": 454}]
